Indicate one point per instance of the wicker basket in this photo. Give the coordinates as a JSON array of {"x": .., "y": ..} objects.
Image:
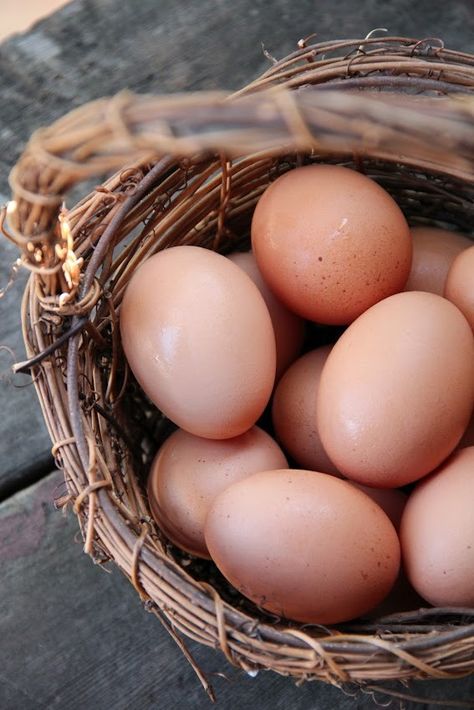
[{"x": 398, "y": 109}]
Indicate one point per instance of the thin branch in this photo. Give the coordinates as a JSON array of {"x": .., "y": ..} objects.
[{"x": 28, "y": 365}]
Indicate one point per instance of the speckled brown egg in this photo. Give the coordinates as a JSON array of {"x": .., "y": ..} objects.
[
  {"x": 294, "y": 412},
  {"x": 199, "y": 339},
  {"x": 289, "y": 328},
  {"x": 304, "y": 545},
  {"x": 434, "y": 250},
  {"x": 459, "y": 287},
  {"x": 330, "y": 242},
  {"x": 397, "y": 390},
  {"x": 189, "y": 472},
  {"x": 437, "y": 533}
]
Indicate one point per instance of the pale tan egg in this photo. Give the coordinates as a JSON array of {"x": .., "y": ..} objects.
[
  {"x": 437, "y": 533},
  {"x": 434, "y": 250},
  {"x": 289, "y": 328},
  {"x": 397, "y": 390},
  {"x": 330, "y": 242},
  {"x": 199, "y": 339},
  {"x": 304, "y": 545},
  {"x": 189, "y": 472},
  {"x": 294, "y": 412},
  {"x": 459, "y": 287}
]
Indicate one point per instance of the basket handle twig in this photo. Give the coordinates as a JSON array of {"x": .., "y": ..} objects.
[{"x": 107, "y": 134}]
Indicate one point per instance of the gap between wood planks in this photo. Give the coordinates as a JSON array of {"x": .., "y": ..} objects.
[{"x": 25, "y": 478}]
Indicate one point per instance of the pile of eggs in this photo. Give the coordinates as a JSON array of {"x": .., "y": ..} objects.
[{"x": 370, "y": 487}]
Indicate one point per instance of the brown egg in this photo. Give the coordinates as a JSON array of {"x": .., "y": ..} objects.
[
  {"x": 330, "y": 242},
  {"x": 199, "y": 339},
  {"x": 397, "y": 390},
  {"x": 294, "y": 412},
  {"x": 391, "y": 501},
  {"x": 434, "y": 250},
  {"x": 288, "y": 327},
  {"x": 303, "y": 545},
  {"x": 460, "y": 284},
  {"x": 189, "y": 472},
  {"x": 437, "y": 533}
]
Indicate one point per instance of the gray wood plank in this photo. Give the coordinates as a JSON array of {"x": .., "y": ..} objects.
[
  {"x": 96, "y": 47},
  {"x": 74, "y": 637},
  {"x": 24, "y": 442}
]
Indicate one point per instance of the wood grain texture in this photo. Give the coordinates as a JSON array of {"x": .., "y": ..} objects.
[
  {"x": 76, "y": 637},
  {"x": 24, "y": 442}
]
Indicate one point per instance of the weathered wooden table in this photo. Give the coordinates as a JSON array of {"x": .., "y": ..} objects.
[{"x": 72, "y": 636}]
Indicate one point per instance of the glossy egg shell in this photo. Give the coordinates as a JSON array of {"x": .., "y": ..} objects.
[
  {"x": 437, "y": 533},
  {"x": 397, "y": 390},
  {"x": 330, "y": 242},
  {"x": 199, "y": 339},
  {"x": 188, "y": 472},
  {"x": 303, "y": 545}
]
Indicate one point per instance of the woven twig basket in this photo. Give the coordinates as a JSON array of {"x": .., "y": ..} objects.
[{"x": 400, "y": 110}]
